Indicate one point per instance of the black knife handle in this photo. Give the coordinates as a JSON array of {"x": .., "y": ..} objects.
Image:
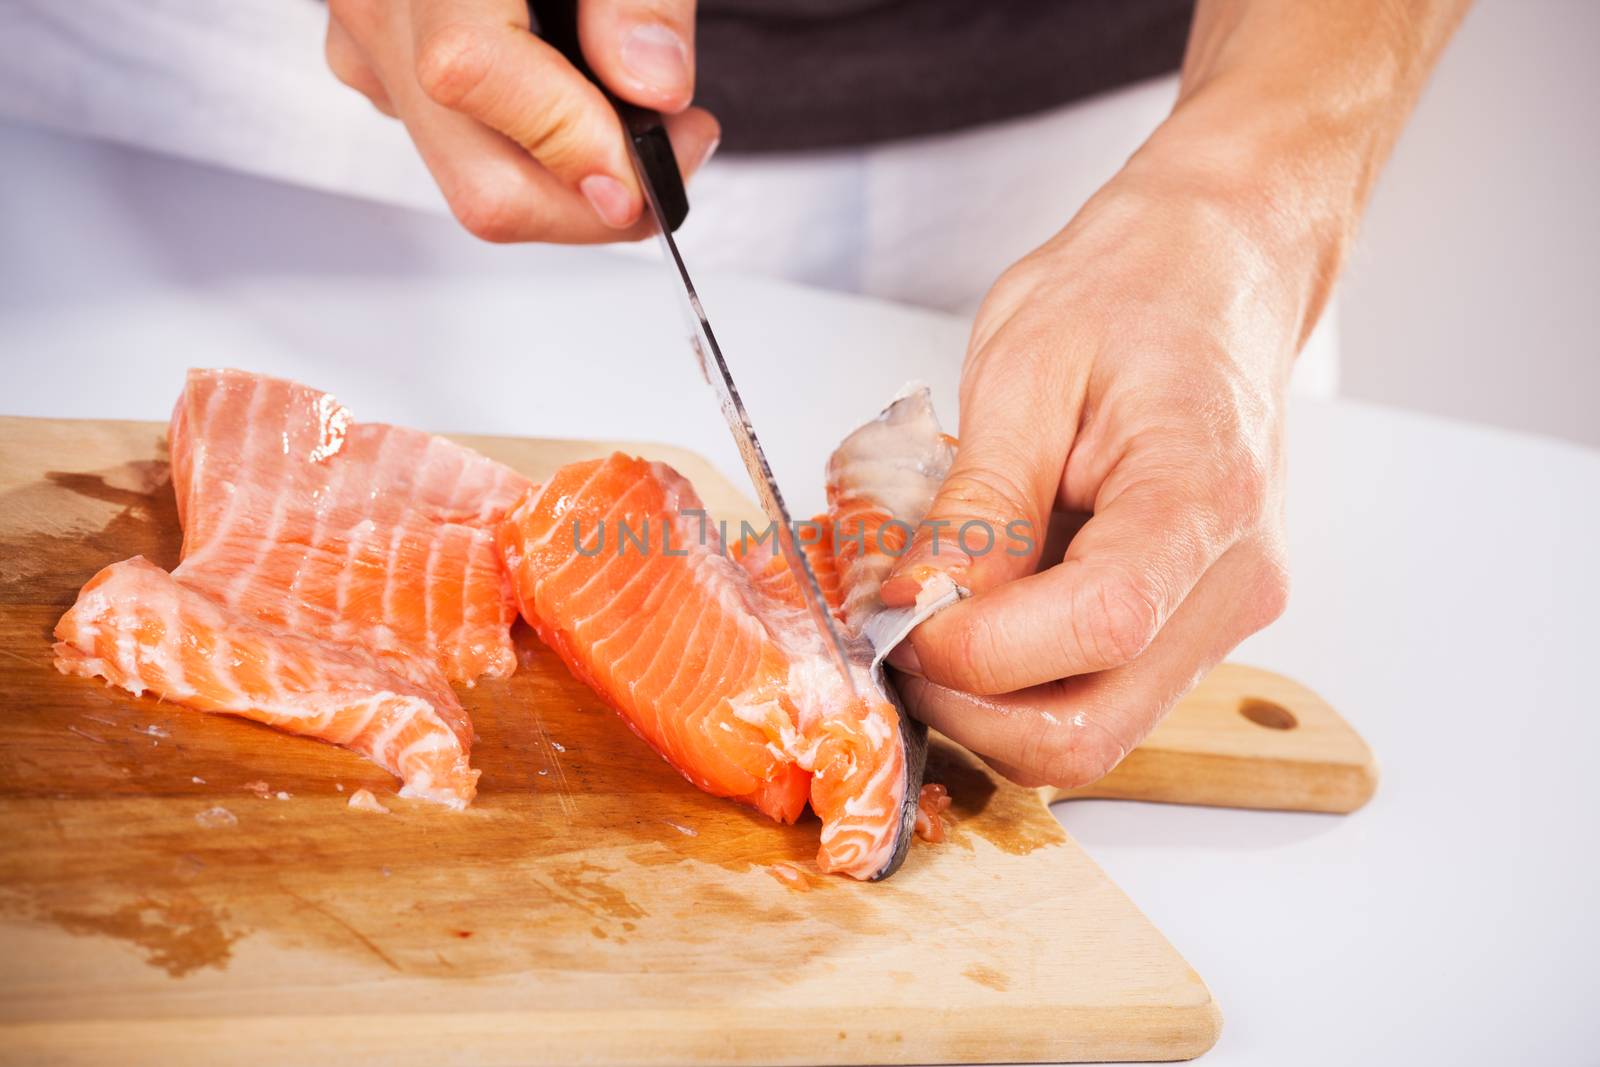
[{"x": 557, "y": 22}]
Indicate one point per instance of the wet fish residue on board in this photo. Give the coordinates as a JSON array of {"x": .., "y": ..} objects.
[
  {"x": 96, "y": 738},
  {"x": 934, "y": 801},
  {"x": 179, "y": 935},
  {"x": 987, "y": 976},
  {"x": 1010, "y": 818},
  {"x": 585, "y": 885},
  {"x": 364, "y": 800},
  {"x": 506, "y": 942},
  {"x": 787, "y": 874},
  {"x": 213, "y": 818},
  {"x": 45, "y": 565}
]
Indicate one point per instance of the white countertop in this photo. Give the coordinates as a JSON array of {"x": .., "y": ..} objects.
[{"x": 1444, "y": 585}]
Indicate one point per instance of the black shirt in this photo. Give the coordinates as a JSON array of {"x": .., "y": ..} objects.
[{"x": 800, "y": 74}]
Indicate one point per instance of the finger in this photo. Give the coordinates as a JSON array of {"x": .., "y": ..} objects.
[
  {"x": 988, "y": 518},
  {"x": 1032, "y": 737},
  {"x": 694, "y": 134},
  {"x": 500, "y": 194},
  {"x": 478, "y": 57},
  {"x": 1016, "y": 775},
  {"x": 350, "y": 66},
  {"x": 643, "y": 50},
  {"x": 495, "y": 189},
  {"x": 1064, "y": 526},
  {"x": 1161, "y": 521},
  {"x": 1070, "y": 732}
]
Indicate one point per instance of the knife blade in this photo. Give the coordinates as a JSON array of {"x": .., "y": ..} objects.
[
  {"x": 716, "y": 371},
  {"x": 667, "y": 202}
]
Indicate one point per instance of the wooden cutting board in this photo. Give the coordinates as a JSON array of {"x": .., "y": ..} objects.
[{"x": 591, "y": 907}]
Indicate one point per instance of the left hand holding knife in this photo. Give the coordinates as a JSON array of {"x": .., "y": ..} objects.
[{"x": 524, "y": 146}]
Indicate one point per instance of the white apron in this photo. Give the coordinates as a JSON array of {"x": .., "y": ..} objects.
[{"x": 243, "y": 85}]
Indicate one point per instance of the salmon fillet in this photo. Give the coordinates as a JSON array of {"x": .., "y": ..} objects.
[
  {"x": 298, "y": 516},
  {"x": 335, "y": 578},
  {"x": 771, "y": 574},
  {"x": 710, "y": 655},
  {"x": 671, "y": 641},
  {"x": 141, "y": 628}
]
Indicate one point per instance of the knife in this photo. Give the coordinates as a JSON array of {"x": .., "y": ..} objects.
[{"x": 668, "y": 204}]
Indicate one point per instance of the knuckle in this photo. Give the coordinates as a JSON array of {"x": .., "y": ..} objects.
[
  {"x": 987, "y": 493},
  {"x": 1016, "y": 286},
  {"x": 1017, "y": 776},
  {"x": 490, "y": 211},
  {"x": 1016, "y": 349},
  {"x": 356, "y": 16},
  {"x": 974, "y": 658},
  {"x": 1246, "y": 462},
  {"x": 1121, "y": 618},
  {"x": 1270, "y": 596},
  {"x": 1230, "y": 427},
  {"x": 1246, "y": 481},
  {"x": 675, "y": 13},
  {"x": 343, "y": 70},
  {"x": 1071, "y": 757},
  {"x": 345, "y": 67},
  {"x": 452, "y": 61},
  {"x": 557, "y": 142}
]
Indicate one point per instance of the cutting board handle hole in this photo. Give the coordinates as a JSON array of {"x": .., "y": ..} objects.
[{"x": 1266, "y": 713}]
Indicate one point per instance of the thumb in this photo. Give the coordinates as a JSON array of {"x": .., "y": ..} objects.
[
  {"x": 987, "y": 523},
  {"x": 643, "y": 50}
]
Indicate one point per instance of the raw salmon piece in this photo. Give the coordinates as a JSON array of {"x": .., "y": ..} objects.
[
  {"x": 710, "y": 654},
  {"x": 721, "y": 672},
  {"x": 670, "y": 641},
  {"x": 771, "y": 573},
  {"x": 864, "y": 754},
  {"x": 305, "y": 532},
  {"x": 139, "y": 627},
  {"x": 881, "y": 481},
  {"x": 360, "y": 532}
]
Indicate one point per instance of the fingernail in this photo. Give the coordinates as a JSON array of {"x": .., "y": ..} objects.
[
  {"x": 906, "y": 583},
  {"x": 658, "y": 58},
  {"x": 609, "y": 198},
  {"x": 705, "y": 156},
  {"x": 899, "y": 591}
]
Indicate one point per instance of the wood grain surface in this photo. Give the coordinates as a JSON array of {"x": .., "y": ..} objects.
[{"x": 591, "y": 907}]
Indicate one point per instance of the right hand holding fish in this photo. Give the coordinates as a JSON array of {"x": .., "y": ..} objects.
[
  {"x": 523, "y": 146},
  {"x": 1133, "y": 368}
]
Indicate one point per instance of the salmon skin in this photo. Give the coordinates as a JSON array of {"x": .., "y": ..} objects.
[
  {"x": 708, "y": 652},
  {"x": 336, "y": 576},
  {"x": 881, "y": 482}
]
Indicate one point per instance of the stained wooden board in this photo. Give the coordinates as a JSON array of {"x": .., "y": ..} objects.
[{"x": 591, "y": 907}]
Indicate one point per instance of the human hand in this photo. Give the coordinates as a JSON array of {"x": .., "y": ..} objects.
[
  {"x": 1133, "y": 367},
  {"x": 524, "y": 147}
]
